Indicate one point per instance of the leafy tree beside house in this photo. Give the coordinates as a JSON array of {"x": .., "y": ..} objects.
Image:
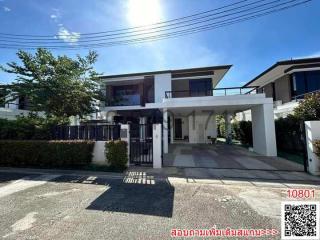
[{"x": 59, "y": 86}]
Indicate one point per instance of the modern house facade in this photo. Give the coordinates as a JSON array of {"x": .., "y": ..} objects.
[
  {"x": 286, "y": 82},
  {"x": 186, "y": 102}
]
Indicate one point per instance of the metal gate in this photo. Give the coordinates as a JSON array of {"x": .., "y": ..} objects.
[{"x": 141, "y": 144}]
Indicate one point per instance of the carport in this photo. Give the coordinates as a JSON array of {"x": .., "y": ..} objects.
[{"x": 200, "y": 115}]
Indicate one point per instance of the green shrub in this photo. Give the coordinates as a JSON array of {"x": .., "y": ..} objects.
[
  {"x": 31, "y": 127},
  {"x": 288, "y": 134},
  {"x": 221, "y": 126},
  {"x": 245, "y": 132},
  {"x": 45, "y": 153},
  {"x": 309, "y": 108},
  {"x": 235, "y": 126},
  {"x": 316, "y": 143},
  {"x": 117, "y": 154}
]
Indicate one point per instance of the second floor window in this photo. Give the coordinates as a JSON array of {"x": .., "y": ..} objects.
[
  {"x": 305, "y": 82},
  {"x": 126, "y": 95},
  {"x": 200, "y": 87}
]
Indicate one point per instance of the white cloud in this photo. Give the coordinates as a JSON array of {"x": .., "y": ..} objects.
[
  {"x": 56, "y": 15},
  {"x": 68, "y": 36},
  {"x": 6, "y": 9},
  {"x": 63, "y": 33}
]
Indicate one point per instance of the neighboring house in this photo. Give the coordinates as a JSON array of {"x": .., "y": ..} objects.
[
  {"x": 10, "y": 109},
  {"x": 186, "y": 102},
  {"x": 286, "y": 82}
]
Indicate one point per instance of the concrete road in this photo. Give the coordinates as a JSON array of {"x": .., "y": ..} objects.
[{"x": 51, "y": 206}]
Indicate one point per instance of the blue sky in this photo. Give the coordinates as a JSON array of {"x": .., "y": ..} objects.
[{"x": 250, "y": 46}]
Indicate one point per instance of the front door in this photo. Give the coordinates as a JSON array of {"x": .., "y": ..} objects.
[{"x": 178, "y": 128}]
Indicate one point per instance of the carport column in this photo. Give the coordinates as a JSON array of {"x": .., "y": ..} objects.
[
  {"x": 227, "y": 119},
  {"x": 165, "y": 131},
  {"x": 157, "y": 148},
  {"x": 263, "y": 130}
]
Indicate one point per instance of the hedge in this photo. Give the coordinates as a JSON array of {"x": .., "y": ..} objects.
[
  {"x": 288, "y": 134},
  {"x": 24, "y": 128},
  {"x": 316, "y": 143},
  {"x": 242, "y": 131},
  {"x": 45, "y": 153},
  {"x": 117, "y": 154}
]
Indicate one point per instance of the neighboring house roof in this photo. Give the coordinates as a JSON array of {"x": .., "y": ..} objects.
[{"x": 283, "y": 67}]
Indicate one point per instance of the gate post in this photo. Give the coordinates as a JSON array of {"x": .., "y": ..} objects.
[
  {"x": 157, "y": 148},
  {"x": 125, "y": 136},
  {"x": 312, "y": 133}
]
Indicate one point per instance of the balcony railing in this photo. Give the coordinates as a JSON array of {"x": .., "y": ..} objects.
[
  {"x": 212, "y": 92},
  {"x": 124, "y": 100},
  {"x": 301, "y": 97}
]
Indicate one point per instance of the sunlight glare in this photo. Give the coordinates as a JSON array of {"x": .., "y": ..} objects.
[{"x": 143, "y": 12}]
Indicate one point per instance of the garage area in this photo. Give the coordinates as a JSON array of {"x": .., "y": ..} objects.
[{"x": 223, "y": 156}]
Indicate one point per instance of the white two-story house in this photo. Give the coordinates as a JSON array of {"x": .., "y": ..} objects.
[{"x": 186, "y": 102}]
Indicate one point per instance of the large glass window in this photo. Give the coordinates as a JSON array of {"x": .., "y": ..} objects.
[
  {"x": 126, "y": 95},
  {"x": 305, "y": 82},
  {"x": 201, "y": 87}
]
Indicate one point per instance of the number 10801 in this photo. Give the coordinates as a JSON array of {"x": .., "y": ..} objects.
[{"x": 300, "y": 193}]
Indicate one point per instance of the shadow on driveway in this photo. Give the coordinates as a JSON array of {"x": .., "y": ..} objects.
[{"x": 137, "y": 193}]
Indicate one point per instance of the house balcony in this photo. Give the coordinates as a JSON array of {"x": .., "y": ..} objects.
[{"x": 130, "y": 93}]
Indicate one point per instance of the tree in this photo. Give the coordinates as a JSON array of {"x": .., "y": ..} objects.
[
  {"x": 59, "y": 86},
  {"x": 309, "y": 108}
]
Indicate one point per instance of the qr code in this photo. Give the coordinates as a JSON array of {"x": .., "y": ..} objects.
[{"x": 300, "y": 220}]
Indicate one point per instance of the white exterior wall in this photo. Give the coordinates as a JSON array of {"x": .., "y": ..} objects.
[
  {"x": 125, "y": 136},
  {"x": 157, "y": 145},
  {"x": 244, "y": 116},
  {"x": 282, "y": 110},
  {"x": 201, "y": 126},
  {"x": 12, "y": 103},
  {"x": 99, "y": 157},
  {"x": 11, "y": 114},
  {"x": 312, "y": 133},
  {"x": 165, "y": 131},
  {"x": 263, "y": 130},
  {"x": 162, "y": 83}
]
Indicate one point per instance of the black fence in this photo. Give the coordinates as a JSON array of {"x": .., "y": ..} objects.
[
  {"x": 141, "y": 144},
  {"x": 141, "y": 151},
  {"x": 87, "y": 132}
]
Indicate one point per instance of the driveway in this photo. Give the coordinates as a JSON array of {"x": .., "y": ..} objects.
[
  {"x": 223, "y": 156},
  {"x": 136, "y": 206}
]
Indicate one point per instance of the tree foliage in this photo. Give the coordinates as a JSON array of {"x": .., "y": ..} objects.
[
  {"x": 59, "y": 86},
  {"x": 309, "y": 108}
]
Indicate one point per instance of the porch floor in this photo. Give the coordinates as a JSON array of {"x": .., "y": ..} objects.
[{"x": 222, "y": 156}]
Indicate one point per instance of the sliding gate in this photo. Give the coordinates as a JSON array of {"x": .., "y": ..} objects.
[{"x": 141, "y": 144}]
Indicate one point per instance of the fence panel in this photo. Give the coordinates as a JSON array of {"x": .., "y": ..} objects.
[{"x": 94, "y": 132}]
